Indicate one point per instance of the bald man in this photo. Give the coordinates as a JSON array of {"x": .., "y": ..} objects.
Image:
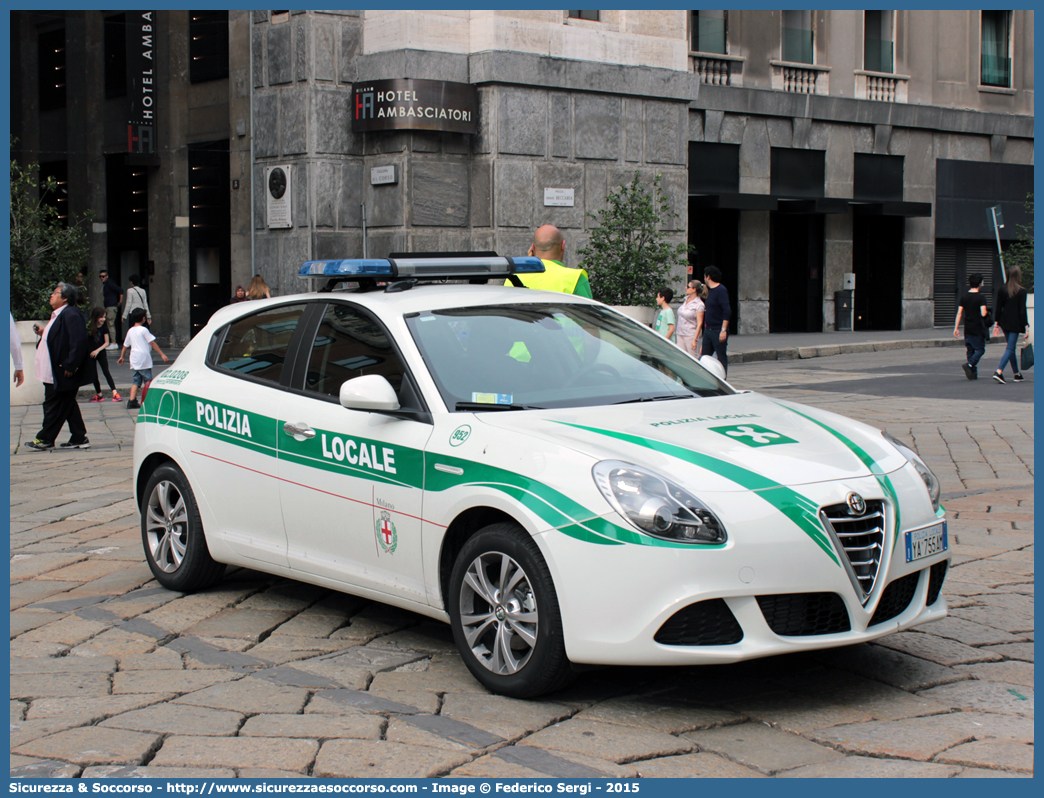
[{"x": 549, "y": 246}]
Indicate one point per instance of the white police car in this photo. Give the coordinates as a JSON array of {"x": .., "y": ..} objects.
[{"x": 557, "y": 482}]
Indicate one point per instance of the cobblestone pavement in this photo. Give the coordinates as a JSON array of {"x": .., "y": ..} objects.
[{"x": 112, "y": 675}]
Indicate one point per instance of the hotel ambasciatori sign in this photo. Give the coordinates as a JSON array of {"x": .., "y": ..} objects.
[{"x": 409, "y": 104}]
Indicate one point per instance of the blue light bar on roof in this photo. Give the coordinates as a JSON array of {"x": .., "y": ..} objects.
[
  {"x": 370, "y": 267},
  {"x": 450, "y": 268}
]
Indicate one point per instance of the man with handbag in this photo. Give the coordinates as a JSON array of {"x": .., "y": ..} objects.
[{"x": 977, "y": 323}]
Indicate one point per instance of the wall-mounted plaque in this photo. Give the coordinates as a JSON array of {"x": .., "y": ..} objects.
[
  {"x": 383, "y": 175},
  {"x": 558, "y": 197},
  {"x": 410, "y": 104},
  {"x": 278, "y": 193}
]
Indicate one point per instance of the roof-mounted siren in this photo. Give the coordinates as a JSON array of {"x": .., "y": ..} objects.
[{"x": 402, "y": 273}]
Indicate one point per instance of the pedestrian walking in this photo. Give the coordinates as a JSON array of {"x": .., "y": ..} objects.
[
  {"x": 258, "y": 288},
  {"x": 972, "y": 308},
  {"x": 1012, "y": 320},
  {"x": 691, "y": 314},
  {"x": 112, "y": 296},
  {"x": 135, "y": 298},
  {"x": 60, "y": 355},
  {"x": 239, "y": 295},
  {"x": 16, "y": 354},
  {"x": 717, "y": 318},
  {"x": 98, "y": 335},
  {"x": 140, "y": 342},
  {"x": 664, "y": 324},
  {"x": 549, "y": 245},
  {"x": 81, "y": 286}
]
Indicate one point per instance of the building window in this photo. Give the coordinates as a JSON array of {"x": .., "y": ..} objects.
[
  {"x": 878, "y": 43},
  {"x": 280, "y": 16},
  {"x": 208, "y": 45},
  {"x": 996, "y": 48},
  {"x": 798, "y": 37},
  {"x": 52, "y": 69},
  {"x": 589, "y": 15},
  {"x": 710, "y": 31},
  {"x": 116, "y": 56}
]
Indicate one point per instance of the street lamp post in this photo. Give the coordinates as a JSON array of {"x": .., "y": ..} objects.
[{"x": 997, "y": 219}]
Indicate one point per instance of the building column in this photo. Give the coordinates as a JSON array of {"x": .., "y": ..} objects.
[{"x": 752, "y": 293}]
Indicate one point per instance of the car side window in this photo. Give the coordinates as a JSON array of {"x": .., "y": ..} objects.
[
  {"x": 258, "y": 345},
  {"x": 349, "y": 343}
]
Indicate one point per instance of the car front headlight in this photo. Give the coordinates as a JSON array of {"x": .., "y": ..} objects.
[
  {"x": 931, "y": 482},
  {"x": 655, "y": 505}
]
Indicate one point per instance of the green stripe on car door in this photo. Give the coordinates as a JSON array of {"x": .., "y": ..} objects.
[{"x": 413, "y": 467}]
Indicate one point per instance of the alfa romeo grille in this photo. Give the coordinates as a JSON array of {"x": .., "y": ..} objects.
[{"x": 861, "y": 537}]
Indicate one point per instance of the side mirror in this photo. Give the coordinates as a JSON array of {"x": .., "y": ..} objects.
[
  {"x": 369, "y": 392},
  {"x": 709, "y": 362}
]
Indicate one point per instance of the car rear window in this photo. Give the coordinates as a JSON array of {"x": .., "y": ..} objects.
[{"x": 257, "y": 345}]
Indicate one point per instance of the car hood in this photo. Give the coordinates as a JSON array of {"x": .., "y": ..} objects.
[{"x": 743, "y": 441}]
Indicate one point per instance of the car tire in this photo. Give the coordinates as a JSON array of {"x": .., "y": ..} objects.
[
  {"x": 172, "y": 534},
  {"x": 510, "y": 641}
]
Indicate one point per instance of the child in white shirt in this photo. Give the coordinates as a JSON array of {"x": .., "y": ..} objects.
[{"x": 139, "y": 340}]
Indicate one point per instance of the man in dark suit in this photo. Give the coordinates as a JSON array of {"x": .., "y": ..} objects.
[{"x": 60, "y": 354}]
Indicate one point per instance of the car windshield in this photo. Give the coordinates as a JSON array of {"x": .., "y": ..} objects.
[{"x": 543, "y": 355}]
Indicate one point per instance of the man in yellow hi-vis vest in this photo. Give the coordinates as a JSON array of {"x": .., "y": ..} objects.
[{"x": 549, "y": 246}]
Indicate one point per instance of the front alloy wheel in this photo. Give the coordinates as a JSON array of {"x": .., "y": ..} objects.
[
  {"x": 504, "y": 613},
  {"x": 498, "y": 613}
]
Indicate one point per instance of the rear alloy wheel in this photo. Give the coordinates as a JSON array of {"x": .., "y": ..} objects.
[
  {"x": 172, "y": 534},
  {"x": 505, "y": 616}
]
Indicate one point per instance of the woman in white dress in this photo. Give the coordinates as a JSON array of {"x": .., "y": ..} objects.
[{"x": 690, "y": 317}]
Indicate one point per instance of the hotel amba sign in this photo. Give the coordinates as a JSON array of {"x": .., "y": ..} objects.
[
  {"x": 141, "y": 79},
  {"x": 409, "y": 104}
]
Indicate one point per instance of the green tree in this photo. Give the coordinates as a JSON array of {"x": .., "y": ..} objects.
[
  {"x": 43, "y": 250},
  {"x": 629, "y": 257},
  {"x": 1021, "y": 252}
]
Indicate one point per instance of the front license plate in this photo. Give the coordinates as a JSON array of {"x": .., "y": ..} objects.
[{"x": 925, "y": 542}]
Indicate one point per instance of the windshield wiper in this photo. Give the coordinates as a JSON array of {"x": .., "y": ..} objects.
[
  {"x": 664, "y": 398},
  {"x": 478, "y": 407}
]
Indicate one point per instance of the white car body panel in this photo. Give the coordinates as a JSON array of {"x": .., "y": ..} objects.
[{"x": 318, "y": 518}]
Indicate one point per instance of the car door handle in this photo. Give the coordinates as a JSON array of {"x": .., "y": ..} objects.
[{"x": 299, "y": 432}]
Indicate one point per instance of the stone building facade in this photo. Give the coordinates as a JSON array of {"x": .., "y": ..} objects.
[
  {"x": 585, "y": 127},
  {"x": 796, "y": 147}
]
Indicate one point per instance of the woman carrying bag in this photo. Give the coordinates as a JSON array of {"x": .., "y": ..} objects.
[
  {"x": 1012, "y": 319},
  {"x": 135, "y": 298}
]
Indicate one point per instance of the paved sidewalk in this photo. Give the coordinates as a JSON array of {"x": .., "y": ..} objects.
[
  {"x": 793, "y": 346},
  {"x": 113, "y": 676}
]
